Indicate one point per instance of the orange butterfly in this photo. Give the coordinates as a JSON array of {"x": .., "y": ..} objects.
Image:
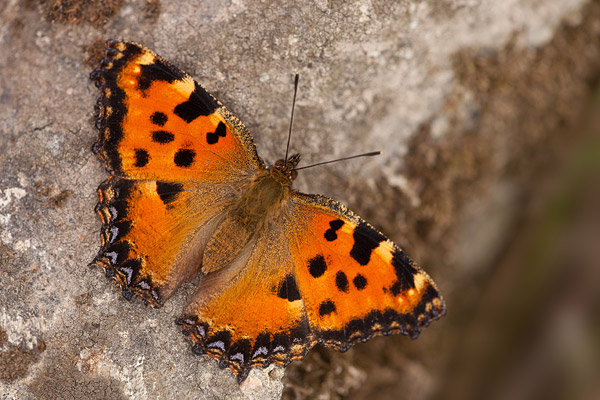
[{"x": 188, "y": 193}]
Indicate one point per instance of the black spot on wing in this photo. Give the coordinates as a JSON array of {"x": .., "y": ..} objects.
[
  {"x": 239, "y": 352},
  {"x": 262, "y": 346},
  {"x": 360, "y": 282},
  {"x": 317, "y": 266},
  {"x": 199, "y": 103},
  {"x": 366, "y": 239},
  {"x": 168, "y": 191},
  {"x": 130, "y": 270},
  {"x": 157, "y": 71},
  {"x": 326, "y": 308},
  {"x": 341, "y": 281},
  {"x": 141, "y": 158},
  {"x": 116, "y": 231},
  {"x": 405, "y": 272},
  {"x": 184, "y": 157},
  {"x": 219, "y": 342},
  {"x": 115, "y": 253},
  {"x": 288, "y": 289},
  {"x": 162, "y": 137},
  {"x": 334, "y": 226},
  {"x": 213, "y": 137},
  {"x": 159, "y": 118}
]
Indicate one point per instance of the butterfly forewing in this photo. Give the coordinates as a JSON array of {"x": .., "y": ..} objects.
[{"x": 355, "y": 283}]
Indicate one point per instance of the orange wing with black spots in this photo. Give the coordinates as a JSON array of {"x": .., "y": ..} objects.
[
  {"x": 251, "y": 314},
  {"x": 355, "y": 283},
  {"x": 319, "y": 274},
  {"x": 188, "y": 194},
  {"x": 154, "y": 231},
  {"x": 177, "y": 157},
  {"x": 155, "y": 122}
]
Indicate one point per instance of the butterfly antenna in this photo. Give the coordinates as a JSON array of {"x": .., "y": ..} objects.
[
  {"x": 287, "y": 149},
  {"x": 373, "y": 153}
]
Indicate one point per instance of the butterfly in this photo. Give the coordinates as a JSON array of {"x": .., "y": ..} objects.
[{"x": 188, "y": 194}]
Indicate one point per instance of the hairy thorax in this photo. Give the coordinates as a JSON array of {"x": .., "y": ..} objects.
[
  {"x": 263, "y": 198},
  {"x": 258, "y": 205}
]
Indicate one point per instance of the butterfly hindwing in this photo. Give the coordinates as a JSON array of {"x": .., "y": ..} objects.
[
  {"x": 250, "y": 313},
  {"x": 153, "y": 232},
  {"x": 354, "y": 282}
]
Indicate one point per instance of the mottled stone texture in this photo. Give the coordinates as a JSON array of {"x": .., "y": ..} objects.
[{"x": 475, "y": 104}]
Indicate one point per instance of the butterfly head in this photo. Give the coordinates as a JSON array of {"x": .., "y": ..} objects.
[{"x": 287, "y": 167}]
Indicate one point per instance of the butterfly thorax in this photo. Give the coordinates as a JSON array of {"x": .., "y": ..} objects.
[
  {"x": 268, "y": 189},
  {"x": 258, "y": 204}
]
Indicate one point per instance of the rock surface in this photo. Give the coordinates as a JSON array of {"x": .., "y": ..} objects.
[{"x": 465, "y": 98}]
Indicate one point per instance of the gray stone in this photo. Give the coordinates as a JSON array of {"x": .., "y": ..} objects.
[{"x": 374, "y": 75}]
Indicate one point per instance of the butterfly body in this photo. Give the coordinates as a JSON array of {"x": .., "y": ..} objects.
[
  {"x": 266, "y": 195},
  {"x": 257, "y": 205},
  {"x": 189, "y": 194}
]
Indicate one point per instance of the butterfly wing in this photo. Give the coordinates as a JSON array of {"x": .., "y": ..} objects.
[
  {"x": 354, "y": 282},
  {"x": 177, "y": 157},
  {"x": 157, "y": 123},
  {"x": 250, "y": 313},
  {"x": 317, "y": 273}
]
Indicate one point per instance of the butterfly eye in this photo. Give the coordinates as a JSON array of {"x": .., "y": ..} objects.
[
  {"x": 293, "y": 174},
  {"x": 279, "y": 164}
]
